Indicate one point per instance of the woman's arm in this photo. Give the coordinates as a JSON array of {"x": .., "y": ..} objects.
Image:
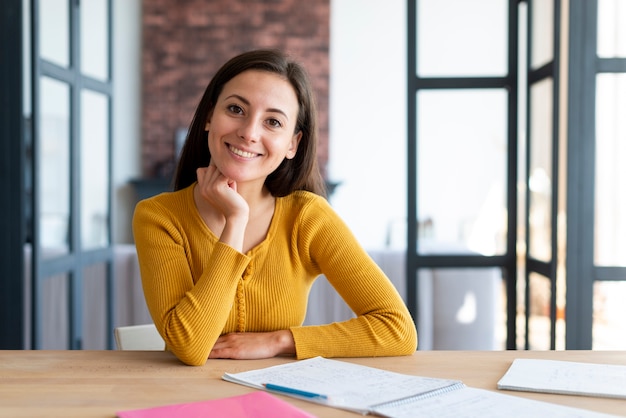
[
  {"x": 189, "y": 315},
  {"x": 383, "y": 325}
]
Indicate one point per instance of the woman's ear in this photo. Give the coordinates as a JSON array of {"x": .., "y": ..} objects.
[{"x": 293, "y": 145}]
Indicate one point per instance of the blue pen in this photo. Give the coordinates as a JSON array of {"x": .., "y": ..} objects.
[{"x": 292, "y": 391}]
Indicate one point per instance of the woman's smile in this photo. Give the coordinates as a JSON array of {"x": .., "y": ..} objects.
[{"x": 242, "y": 153}]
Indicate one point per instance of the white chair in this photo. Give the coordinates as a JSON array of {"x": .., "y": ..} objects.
[{"x": 139, "y": 337}]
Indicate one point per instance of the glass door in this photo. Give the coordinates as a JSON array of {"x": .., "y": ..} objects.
[
  {"x": 543, "y": 261},
  {"x": 462, "y": 181},
  {"x": 71, "y": 171},
  {"x": 596, "y": 229}
]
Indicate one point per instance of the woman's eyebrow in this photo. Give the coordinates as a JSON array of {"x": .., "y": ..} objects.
[{"x": 247, "y": 103}]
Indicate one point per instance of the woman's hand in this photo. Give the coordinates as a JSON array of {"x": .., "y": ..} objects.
[
  {"x": 254, "y": 345},
  {"x": 221, "y": 193}
]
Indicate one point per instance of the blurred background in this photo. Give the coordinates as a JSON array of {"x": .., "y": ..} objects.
[{"x": 473, "y": 146}]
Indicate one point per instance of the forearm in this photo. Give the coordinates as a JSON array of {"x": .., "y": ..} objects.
[
  {"x": 234, "y": 232},
  {"x": 192, "y": 316},
  {"x": 390, "y": 334}
]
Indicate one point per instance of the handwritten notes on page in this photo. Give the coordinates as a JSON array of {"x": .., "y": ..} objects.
[
  {"x": 479, "y": 403},
  {"x": 565, "y": 377},
  {"x": 344, "y": 385},
  {"x": 374, "y": 391}
]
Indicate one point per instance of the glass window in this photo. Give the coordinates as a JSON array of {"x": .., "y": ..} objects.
[
  {"x": 540, "y": 171},
  {"x": 542, "y": 33},
  {"x": 94, "y": 39},
  {"x": 539, "y": 312},
  {"x": 610, "y": 183},
  {"x": 94, "y": 168},
  {"x": 55, "y": 313},
  {"x": 54, "y": 169},
  {"x": 462, "y": 38},
  {"x": 461, "y": 169},
  {"x": 611, "y": 28},
  {"x": 609, "y": 311},
  {"x": 94, "y": 307},
  {"x": 468, "y": 308},
  {"x": 54, "y": 31}
]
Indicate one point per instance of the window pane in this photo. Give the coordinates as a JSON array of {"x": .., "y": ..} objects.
[
  {"x": 468, "y": 308},
  {"x": 540, "y": 174},
  {"x": 462, "y": 38},
  {"x": 94, "y": 41},
  {"x": 94, "y": 168},
  {"x": 542, "y": 32},
  {"x": 54, "y": 168},
  {"x": 54, "y": 31},
  {"x": 55, "y": 332},
  {"x": 609, "y": 311},
  {"x": 461, "y": 308},
  {"x": 611, "y": 28},
  {"x": 610, "y": 183},
  {"x": 539, "y": 312},
  {"x": 94, "y": 307},
  {"x": 462, "y": 162}
]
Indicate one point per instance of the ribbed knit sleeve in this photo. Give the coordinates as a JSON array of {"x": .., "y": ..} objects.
[
  {"x": 383, "y": 325},
  {"x": 189, "y": 292}
]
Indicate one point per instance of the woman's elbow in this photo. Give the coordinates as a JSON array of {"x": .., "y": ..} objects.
[
  {"x": 406, "y": 336},
  {"x": 189, "y": 357},
  {"x": 192, "y": 361}
]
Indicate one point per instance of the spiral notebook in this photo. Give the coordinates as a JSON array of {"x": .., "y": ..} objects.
[
  {"x": 343, "y": 385},
  {"x": 368, "y": 390}
]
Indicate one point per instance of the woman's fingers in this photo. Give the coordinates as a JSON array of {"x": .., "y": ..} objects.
[
  {"x": 220, "y": 191},
  {"x": 210, "y": 178}
]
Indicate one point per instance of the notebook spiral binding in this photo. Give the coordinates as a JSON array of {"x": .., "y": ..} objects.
[{"x": 426, "y": 395}]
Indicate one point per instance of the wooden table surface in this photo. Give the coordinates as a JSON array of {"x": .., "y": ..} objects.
[{"x": 99, "y": 383}]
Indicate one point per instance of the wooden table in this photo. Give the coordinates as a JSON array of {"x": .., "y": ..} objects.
[{"x": 100, "y": 383}]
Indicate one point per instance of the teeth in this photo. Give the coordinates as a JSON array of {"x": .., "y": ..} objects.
[{"x": 241, "y": 153}]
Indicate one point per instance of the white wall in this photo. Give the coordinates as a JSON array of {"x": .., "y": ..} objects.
[
  {"x": 126, "y": 113},
  {"x": 367, "y": 131}
]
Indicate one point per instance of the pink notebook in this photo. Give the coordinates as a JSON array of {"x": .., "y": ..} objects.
[{"x": 252, "y": 405}]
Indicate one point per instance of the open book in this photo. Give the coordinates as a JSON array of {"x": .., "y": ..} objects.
[
  {"x": 566, "y": 377},
  {"x": 368, "y": 390}
]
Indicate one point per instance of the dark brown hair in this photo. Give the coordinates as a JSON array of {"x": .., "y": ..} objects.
[{"x": 300, "y": 173}]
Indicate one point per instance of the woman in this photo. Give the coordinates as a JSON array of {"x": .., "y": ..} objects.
[{"x": 227, "y": 259}]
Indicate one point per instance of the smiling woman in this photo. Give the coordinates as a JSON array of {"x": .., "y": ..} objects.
[
  {"x": 228, "y": 259},
  {"x": 252, "y": 127}
]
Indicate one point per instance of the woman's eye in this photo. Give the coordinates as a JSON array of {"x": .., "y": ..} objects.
[
  {"x": 235, "y": 109},
  {"x": 275, "y": 123}
]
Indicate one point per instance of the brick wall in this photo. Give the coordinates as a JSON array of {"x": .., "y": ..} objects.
[{"x": 185, "y": 42}]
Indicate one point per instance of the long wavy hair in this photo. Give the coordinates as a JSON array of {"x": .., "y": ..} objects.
[{"x": 300, "y": 173}]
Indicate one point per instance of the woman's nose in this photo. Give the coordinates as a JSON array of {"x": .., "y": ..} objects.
[{"x": 250, "y": 130}]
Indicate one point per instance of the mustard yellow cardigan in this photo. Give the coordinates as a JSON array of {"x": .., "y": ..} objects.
[{"x": 198, "y": 288}]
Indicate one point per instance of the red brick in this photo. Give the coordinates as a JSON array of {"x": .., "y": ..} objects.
[{"x": 185, "y": 41}]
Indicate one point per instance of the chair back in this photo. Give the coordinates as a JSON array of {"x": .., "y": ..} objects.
[{"x": 139, "y": 337}]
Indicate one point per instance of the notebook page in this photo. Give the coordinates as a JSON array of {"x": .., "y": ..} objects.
[
  {"x": 479, "y": 403},
  {"x": 565, "y": 377},
  {"x": 348, "y": 386}
]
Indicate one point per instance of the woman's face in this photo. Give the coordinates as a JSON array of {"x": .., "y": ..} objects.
[{"x": 251, "y": 129}]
